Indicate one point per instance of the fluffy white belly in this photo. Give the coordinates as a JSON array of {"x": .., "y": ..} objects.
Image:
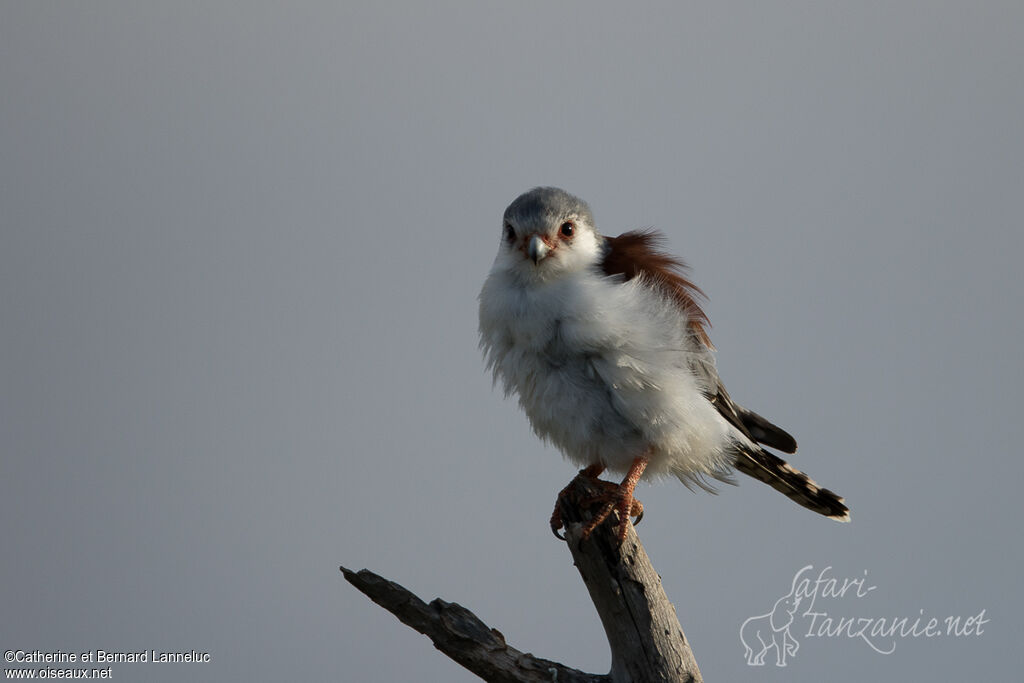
[{"x": 602, "y": 370}]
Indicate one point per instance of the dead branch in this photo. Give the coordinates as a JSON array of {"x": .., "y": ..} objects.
[
  {"x": 461, "y": 635},
  {"x": 646, "y": 640}
]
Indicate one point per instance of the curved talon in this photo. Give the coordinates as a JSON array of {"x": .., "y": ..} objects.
[
  {"x": 592, "y": 473},
  {"x": 556, "y": 521},
  {"x": 639, "y": 515}
]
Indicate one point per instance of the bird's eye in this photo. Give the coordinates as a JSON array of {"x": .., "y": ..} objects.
[
  {"x": 567, "y": 229},
  {"x": 510, "y": 233}
]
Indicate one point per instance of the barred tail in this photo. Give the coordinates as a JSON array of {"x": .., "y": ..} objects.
[{"x": 791, "y": 482}]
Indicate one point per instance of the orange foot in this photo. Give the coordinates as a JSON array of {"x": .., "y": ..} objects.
[{"x": 618, "y": 497}]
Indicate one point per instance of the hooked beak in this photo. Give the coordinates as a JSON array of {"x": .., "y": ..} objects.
[{"x": 537, "y": 249}]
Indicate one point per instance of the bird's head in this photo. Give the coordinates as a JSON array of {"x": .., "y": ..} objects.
[{"x": 547, "y": 233}]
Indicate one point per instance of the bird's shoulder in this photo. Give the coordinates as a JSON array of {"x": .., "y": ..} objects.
[{"x": 639, "y": 253}]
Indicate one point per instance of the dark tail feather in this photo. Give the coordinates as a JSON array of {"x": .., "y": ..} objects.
[
  {"x": 765, "y": 432},
  {"x": 791, "y": 482}
]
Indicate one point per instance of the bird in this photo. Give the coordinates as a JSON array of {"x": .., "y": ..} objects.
[{"x": 604, "y": 342}]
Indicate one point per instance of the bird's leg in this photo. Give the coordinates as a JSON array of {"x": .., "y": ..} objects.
[
  {"x": 621, "y": 500},
  {"x": 592, "y": 472}
]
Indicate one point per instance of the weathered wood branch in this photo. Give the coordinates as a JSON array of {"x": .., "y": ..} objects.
[
  {"x": 646, "y": 640},
  {"x": 644, "y": 634},
  {"x": 461, "y": 635}
]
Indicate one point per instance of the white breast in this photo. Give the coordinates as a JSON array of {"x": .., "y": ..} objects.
[{"x": 602, "y": 369}]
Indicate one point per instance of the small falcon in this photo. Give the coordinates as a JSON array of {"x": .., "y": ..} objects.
[{"x": 604, "y": 344}]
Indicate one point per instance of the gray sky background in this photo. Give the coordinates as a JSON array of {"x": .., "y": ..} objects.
[{"x": 240, "y": 248}]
